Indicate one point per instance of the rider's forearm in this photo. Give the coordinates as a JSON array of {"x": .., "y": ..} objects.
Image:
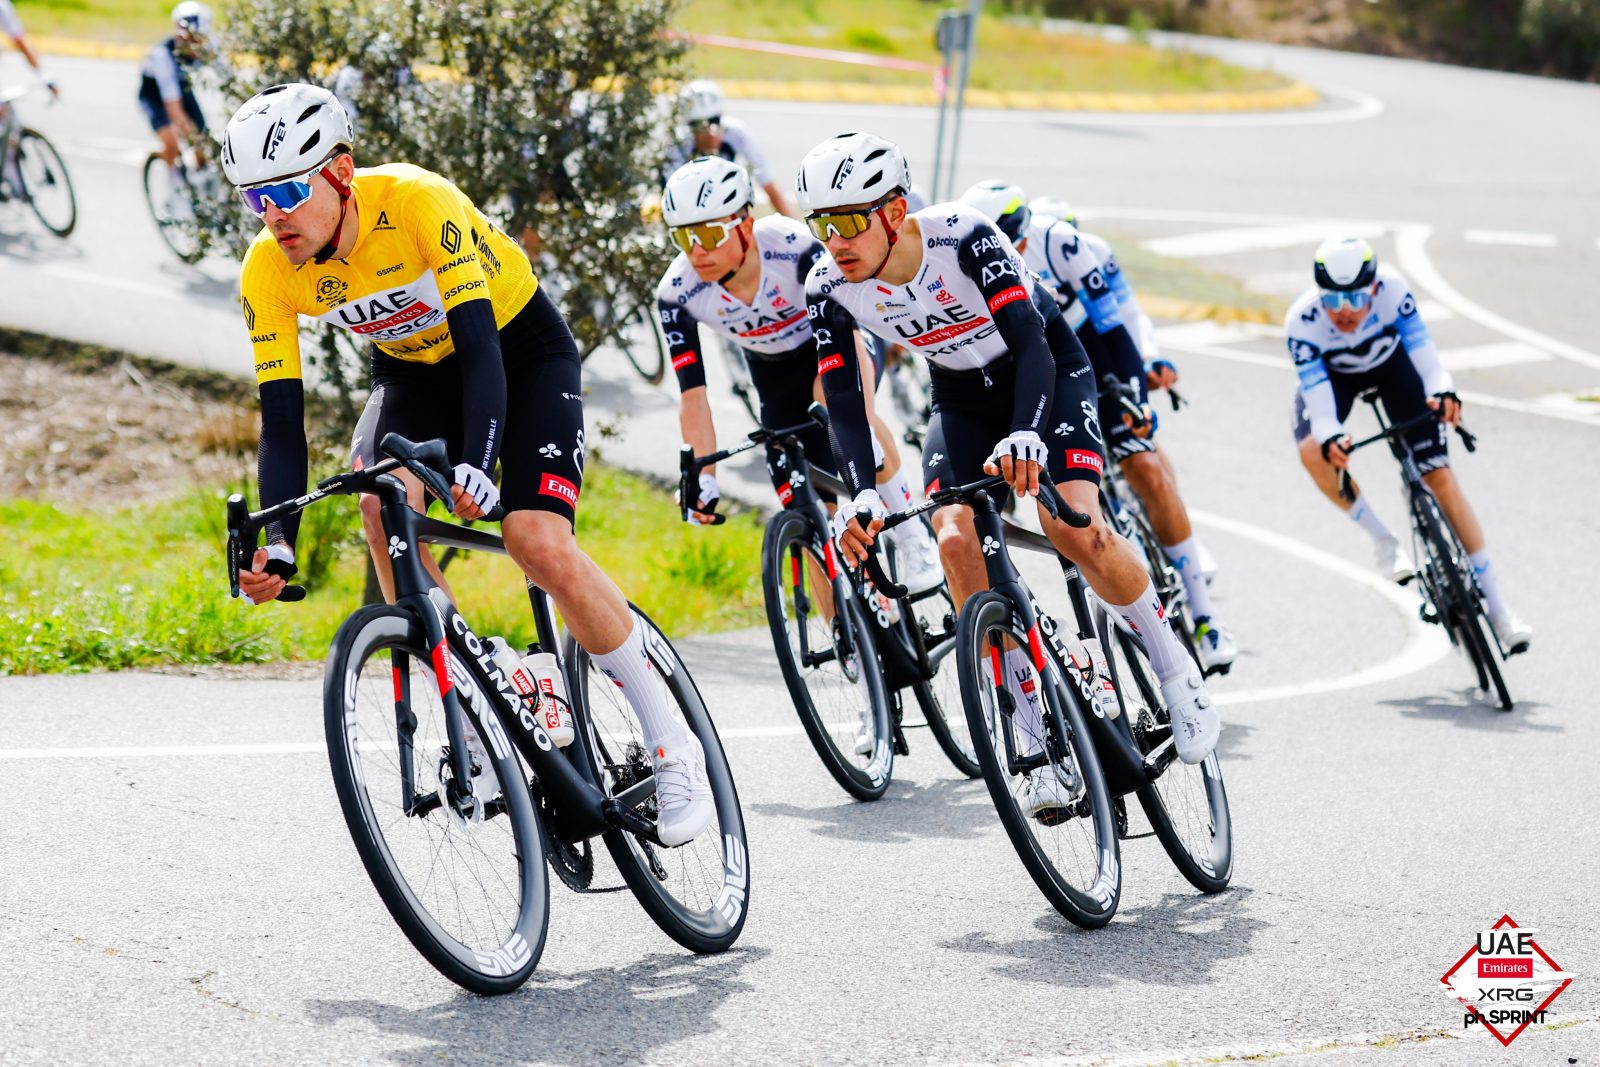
[
  {"x": 30, "y": 55},
  {"x": 694, "y": 417},
  {"x": 282, "y": 463},
  {"x": 176, "y": 113},
  {"x": 483, "y": 381}
]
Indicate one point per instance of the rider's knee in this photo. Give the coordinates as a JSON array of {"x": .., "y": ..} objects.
[
  {"x": 1145, "y": 473},
  {"x": 542, "y": 544}
]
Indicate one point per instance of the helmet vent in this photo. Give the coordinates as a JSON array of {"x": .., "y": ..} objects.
[{"x": 307, "y": 113}]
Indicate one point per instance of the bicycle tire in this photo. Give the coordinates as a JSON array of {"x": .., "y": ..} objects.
[
  {"x": 652, "y": 366},
  {"x": 982, "y": 617},
  {"x": 1206, "y": 864},
  {"x": 182, "y": 237},
  {"x": 790, "y": 539},
  {"x": 1466, "y": 614},
  {"x": 34, "y": 146},
  {"x": 941, "y": 705},
  {"x": 496, "y": 968},
  {"x": 714, "y": 920}
]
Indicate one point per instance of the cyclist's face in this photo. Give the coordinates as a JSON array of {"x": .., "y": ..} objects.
[
  {"x": 301, "y": 233},
  {"x": 707, "y": 138},
  {"x": 712, "y": 264},
  {"x": 1347, "y": 319},
  {"x": 864, "y": 253}
]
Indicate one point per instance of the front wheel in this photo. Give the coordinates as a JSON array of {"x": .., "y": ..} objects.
[
  {"x": 171, "y": 203},
  {"x": 826, "y": 652},
  {"x": 45, "y": 183},
  {"x": 641, "y": 341},
  {"x": 1463, "y": 614},
  {"x": 1053, "y": 803},
  {"x": 470, "y": 892},
  {"x": 698, "y": 893}
]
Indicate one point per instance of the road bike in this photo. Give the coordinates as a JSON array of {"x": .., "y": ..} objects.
[
  {"x": 848, "y": 652},
  {"x": 1447, "y": 581},
  {"x": 599, "y": 319},
  {"x": 193, "y": 207},
  {"x": 737, "y": 364},
  {"x": 31, "y": 170},
  {"x": 1096, "y": 757},
  {"x": 455, "y": 794}
]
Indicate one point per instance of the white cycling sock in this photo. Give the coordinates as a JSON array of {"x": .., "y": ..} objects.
[
  {"x": 1364, "y": 517},
  {"x": 1023, "y": 683},
  {"x": 1149, "y": 620},
  {"x": 1185, "y": 556},
  {"x": 630, "y": 668},
  {"x": 896, "y": 491},
  {"x": 1488, "y": 581}
]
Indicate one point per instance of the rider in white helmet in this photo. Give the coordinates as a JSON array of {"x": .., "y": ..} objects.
[
  {"x": 712, "y": 133},
  {"x": 166, "y": 92},
  {"x": 1080, "y": 281},
  {"x": 744, "y": 278},
  {"x": 1356, "y": 328},
  {"x": 465, "y": 346},
  {"x": 1012, "y": 395}
]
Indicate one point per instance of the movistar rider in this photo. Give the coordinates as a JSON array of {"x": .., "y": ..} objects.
[{"x": 465, "y": 346}]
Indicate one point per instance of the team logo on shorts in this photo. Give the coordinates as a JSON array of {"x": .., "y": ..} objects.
[
  {"x": 558, "y": 487},
  {"x": 331, "y": 291}
]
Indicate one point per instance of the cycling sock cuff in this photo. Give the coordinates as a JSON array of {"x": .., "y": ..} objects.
[
  {"x": 1148, "y": 618},
  {"x": 1364, "y": 517},
  {"x": 1488, "y": 581},
  {"x": 630, "y": 668},
  {"x": 1185, "y": 557},
  {"x": 896, "y": 491}
]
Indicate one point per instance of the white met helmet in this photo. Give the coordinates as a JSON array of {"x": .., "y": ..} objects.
[
  {"x": 1345, "y": 264},
  {"x": 852, "y": 168},
  {"x": 283, "y": 131},
  {"x": 1061, "y": 209},
  {"x": 193, "y": 18},
  {"x": 1003, "y": 202},
  {"x": 702, "y": 100},
  {"x": 703, "y": 189}
]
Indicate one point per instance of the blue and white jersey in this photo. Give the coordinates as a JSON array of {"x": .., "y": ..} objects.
[
  {"x": 1320, "y": 349},
  {"x": 1065, "y": 261},
  {"x": 170, "y": 73},
  {"x": 1138, "y": 323}
]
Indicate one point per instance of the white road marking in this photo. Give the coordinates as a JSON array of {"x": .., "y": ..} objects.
[
  {"x": 1506, "y": 237},
  {"x": 291, "y": 748},
  {"x": 1256, "y": 238},
  {"x": 1494, "y": 354}
]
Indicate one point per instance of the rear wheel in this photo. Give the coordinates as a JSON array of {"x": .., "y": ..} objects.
[
  {"x": 1187, "y": 805},
  {"x": 469, "y": 891},
  {"x": 1069, "y": 848},
  {"x": 697, "y": 892},
  {"x": 45, "y": 182},
  {"x": 829, "y": 662},
  {"x": 940, "y": 697},
  {"x": 1465, "y": 615},
  {"x": 171, "y": 204},
  {"x": 641, "y": 341}
]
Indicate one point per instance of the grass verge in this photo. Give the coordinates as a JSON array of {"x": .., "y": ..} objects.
[
  {"x": 1180, "y": 279},
  {"x": 78, "y": 593}
]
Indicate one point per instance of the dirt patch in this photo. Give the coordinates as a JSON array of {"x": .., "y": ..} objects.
[{"x": 98, "y": 432}]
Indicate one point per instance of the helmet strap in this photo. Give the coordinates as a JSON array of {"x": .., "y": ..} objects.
[
  {"x": 892, "y": 238},
  {"x": 744, "y": 254},
  {"x": 327, "y": 250}
]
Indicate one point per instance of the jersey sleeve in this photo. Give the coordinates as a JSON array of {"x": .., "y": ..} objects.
[
  {"x": 1074, "y": 263},
  {"x": 440, "y": 220},
  {"x": 10, "y": 24},
  {"x": 839, "y": 367},
  {"x": 269, "y": 316},
  {"x": 1436, "y": 377},
  {"x": 1312, "y": 370},
  {"x": 164, "y": 69},
  {"x": 682, "y": 332},
  {"x": 737, "y": 134},
  {"x": 994, "y": 267}
]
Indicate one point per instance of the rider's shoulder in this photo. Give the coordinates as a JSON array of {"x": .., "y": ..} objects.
[
  {"x": 1394, "y": 294},
  {"x": 399, "y": 185},
  {"x": 1305, "y": 312},
  {"x": 676, "y": 281},
  {"x": 824, "y": 277}
]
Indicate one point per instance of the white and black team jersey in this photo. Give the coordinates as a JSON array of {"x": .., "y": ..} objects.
[
  {"x": 774, "y": 326},
  {"x": 970, "y": 305},
  {"x": 738, "y": 146},
  {"x": 1320, "y": 349}
]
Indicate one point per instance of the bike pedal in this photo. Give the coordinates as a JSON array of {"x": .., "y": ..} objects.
[
  {"x": 1224, "y": 668},
  {"x": 1429, "y": 617}
]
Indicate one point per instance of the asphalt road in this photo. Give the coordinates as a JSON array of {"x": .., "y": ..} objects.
[{"x": 200, "y": 901}]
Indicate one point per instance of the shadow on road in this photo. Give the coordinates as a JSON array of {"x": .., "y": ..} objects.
[
  {"x": 601, "y": 1016},
  {"x": 1471, "y": 710},
  {"x": 1175, "y": 942},
  {"x": 953, "y": 809}
]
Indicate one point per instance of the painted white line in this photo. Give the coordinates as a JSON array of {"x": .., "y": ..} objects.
[
  {"x": 1425, "y": 645},
  {"x": 80, "y": 278},
  {"x": 1257, "y": 238},
  {"x": 1411, "y": 250},
  {"x": 1494, "y": 354},
  {"x": 292, "y": 748},
  {"x": 1506, "y": 237}
]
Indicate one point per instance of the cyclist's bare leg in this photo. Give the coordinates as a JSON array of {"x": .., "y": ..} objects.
[
  {"x": 378, "y": 541},
  {"x": 591, "y": 605},
  {"x": 1444, "y": 486},
  {"x": 1108, "y": 563},
  {"x": 1147, "y": 476},
  {"x": 1323, "y": 474},
  {"x": 960, "y": 553}
]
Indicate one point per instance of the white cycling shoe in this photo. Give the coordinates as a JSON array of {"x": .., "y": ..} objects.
[
  {"x": 684, "y": 803},
  {"x": 1217, "y": 647},
  {"x": 1392, "y": 561},
  {"x": 1195, "y": 726},
  {"x": 867, "y": 734},
  {"x": 918, "y": 556},
  {"x": 1515, "y": 634}
]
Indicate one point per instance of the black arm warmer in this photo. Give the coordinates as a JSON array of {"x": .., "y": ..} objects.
[
  {"x": 839, "y": 366},
  {"x": 281, "y": 461},
  {"x": 682, "y": 332},
  {"x": 483, "y": 382},
  {"x": 992, "y": 264}
]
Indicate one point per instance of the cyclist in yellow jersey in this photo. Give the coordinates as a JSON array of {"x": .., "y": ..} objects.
[{"x": 465, "y": 346}]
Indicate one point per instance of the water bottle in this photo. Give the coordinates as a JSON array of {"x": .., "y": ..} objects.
[
  {"x": 1105, "y": 690},
  {"x": 555, "y": 715}
]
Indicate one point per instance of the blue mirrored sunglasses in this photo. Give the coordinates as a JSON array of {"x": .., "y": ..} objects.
[
  {"x": 285, "y": 195},
  {"x": 1333, "y": 299}
]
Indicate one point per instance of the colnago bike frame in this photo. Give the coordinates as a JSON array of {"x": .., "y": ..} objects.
[{"x": 581, "y": 809}]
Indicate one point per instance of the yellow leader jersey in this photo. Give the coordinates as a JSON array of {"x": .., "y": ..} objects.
[{"x": 421, "y": 248}]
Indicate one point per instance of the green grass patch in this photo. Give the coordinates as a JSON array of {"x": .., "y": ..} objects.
[
  {"x": 1012, "y": 53},
  {"x": 1181, "y": 279},
  {"x": 145, "y": 586},
  {"x": 132, "y": 21}
]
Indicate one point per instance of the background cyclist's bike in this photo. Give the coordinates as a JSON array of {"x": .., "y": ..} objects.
[
  {"x": 194, "y": 209},
  {"x": 31, "y": 171},
  {"x": 453, "y": 791}
]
